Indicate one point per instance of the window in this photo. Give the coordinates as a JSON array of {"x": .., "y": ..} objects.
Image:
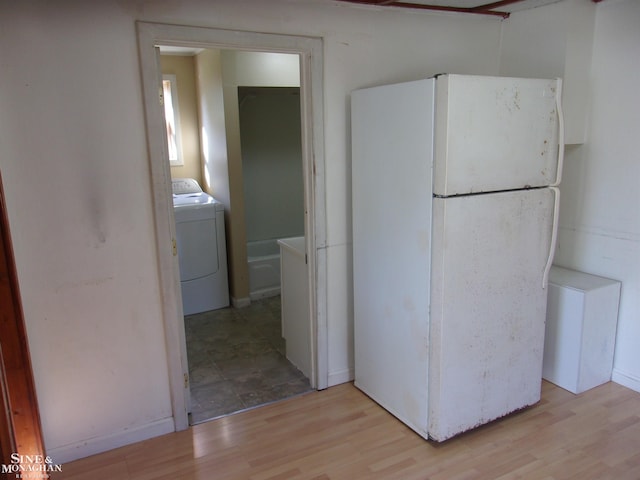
[{"x": 172, "y": 118}]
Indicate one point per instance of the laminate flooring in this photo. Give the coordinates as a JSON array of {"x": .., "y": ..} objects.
[
  {"x": 341, "y": 434},
  {"x": 237, "y": 360}
]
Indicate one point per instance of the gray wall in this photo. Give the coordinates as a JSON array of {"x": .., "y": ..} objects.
[{"x": 271, "y": 162}]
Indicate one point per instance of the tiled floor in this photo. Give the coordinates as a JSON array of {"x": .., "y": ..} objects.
[{"x": 237, "y": 360}]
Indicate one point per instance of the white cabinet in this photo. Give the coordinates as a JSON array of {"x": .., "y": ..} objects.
[
  {"x": 294, "y": 291},
  {"x": 582, "y": 314}
]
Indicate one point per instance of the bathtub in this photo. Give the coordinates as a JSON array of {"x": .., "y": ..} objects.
[{"x": 263, "y": 259}]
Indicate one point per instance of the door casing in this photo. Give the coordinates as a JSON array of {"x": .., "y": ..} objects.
[
  {"x": 310, "y": 50},
  {"x": 20, "y": 428}
]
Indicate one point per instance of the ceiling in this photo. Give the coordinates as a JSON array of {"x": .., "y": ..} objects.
[{"x": 480, "y": 7}]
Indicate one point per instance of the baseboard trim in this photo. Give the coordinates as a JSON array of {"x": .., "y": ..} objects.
[
  {"x": 341, "y": 376},
  {"x": 626, "y": 379},
  {"x": 264, "y": 293},
  {"x": 240, "y": 302},
  {"x": 86, "y": 448}
]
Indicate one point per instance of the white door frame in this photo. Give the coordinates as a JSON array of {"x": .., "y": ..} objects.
[{"x": 311, "y": 95}]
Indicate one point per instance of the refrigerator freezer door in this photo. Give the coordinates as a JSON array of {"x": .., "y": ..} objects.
[
  {"x": 391, "y": 196},
  {"x": 487, "y": 307},
  {"x": 494, "y": 134}
]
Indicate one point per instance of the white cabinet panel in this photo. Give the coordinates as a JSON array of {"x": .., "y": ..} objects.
[{"x": 582, "y": 314}]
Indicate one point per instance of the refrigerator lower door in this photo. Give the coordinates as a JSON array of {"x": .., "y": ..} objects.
[{"x": 487, "y": 307}]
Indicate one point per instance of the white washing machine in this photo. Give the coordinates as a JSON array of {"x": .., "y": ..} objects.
[{"x": 202, "y": 250}]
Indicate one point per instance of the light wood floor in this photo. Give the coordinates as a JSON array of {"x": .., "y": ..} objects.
[{"x": 340, "y": 433}]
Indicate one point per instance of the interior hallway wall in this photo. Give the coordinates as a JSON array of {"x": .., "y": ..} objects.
[
  {"x": 217, "y": 169},
  {"x": 600, "y": 223}
]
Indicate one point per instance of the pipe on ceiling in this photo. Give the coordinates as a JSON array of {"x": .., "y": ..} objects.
[
  {"x": 479, "y": 10},
  {"x": 487, "y": 9}
]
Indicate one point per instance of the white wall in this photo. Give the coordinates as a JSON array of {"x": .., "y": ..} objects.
[
  {"x": 74, "y": 160},
  {"x": 600, "y": 216},
  {"x": 554, "y": 41},
  {"x": 599, "y": 221}
]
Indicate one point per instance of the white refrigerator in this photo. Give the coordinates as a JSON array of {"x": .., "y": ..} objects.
[{"x": 454, "y": 194}]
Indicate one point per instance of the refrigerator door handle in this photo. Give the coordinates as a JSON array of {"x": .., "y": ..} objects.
[
  {"x": 560, "y": 113},
  {"x": 554, "y": 186},
  {"x": 554, "y": 236}
]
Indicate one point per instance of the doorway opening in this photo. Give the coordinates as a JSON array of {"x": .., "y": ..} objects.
[
  {"x": 309, "y": 54},
  {"x": 238, "y": 357}
]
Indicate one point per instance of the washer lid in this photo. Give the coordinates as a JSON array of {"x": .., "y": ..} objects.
[
  {"x": 193, "y": 199},
  {"x": 183, "y": 186},
  {"x": 195, "y": 206}
]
